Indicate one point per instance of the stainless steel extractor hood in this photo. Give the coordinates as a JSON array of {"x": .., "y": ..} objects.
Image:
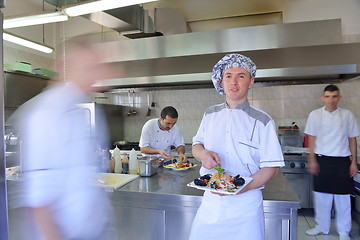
[
  {"x": 134, "y": 21},
  {"x": 293, "y": 51}
]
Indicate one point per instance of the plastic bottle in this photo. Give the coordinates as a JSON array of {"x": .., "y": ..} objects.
[
  {"x": 105, "y": 160},
  {"x": 117, "y": 158},
  {"x": 125, "y": 164},
  {"x": 133, "y": 162}
]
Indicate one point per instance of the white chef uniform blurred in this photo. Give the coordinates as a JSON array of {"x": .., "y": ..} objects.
[{"x": 59, "y": 155}]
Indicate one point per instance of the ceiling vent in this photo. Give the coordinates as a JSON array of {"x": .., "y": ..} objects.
[{"x": 134, "y": 21}]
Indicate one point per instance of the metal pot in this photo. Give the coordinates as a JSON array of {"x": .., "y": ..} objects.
[{"x": 148, "y": 166}]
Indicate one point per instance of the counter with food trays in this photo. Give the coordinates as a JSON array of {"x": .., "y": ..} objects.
[{"x": 163, "y": 206}]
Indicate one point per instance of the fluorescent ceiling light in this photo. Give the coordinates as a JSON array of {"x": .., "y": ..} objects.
[
  {"x": 27, "y": 43},
  {"x": 35, "y": 20},
  {"x": 101, "y": 5}
]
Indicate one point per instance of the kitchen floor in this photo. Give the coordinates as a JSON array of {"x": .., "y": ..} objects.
[{"x": 306, "y": 221}]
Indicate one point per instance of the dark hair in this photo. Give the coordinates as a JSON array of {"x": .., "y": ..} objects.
[
  {"x": 331, "y": 88},
  {"x": 169, "y": 111}
]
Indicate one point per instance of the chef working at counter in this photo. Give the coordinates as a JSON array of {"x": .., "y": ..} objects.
[
  {"x": 243, "y": 140},
  {"x": 159, "y": 134},
  {"x": 332, "y": 135}
]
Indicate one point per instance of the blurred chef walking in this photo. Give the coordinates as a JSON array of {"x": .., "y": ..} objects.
[
  {"x": 159, "y": 134},
  {"x": 243, "y": 139},
  {"x": 332, "y": 160},
  {"x": 59, "y": 153}
]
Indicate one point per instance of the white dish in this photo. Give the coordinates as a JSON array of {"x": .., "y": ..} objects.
[
  {"x": 172, "y": 166},
  {"x": 247, "y": 181}
]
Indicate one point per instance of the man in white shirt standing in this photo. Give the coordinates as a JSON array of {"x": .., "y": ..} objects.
[
  {"x": 159, "y": 134},
  {"x": 332, "y": 160}
]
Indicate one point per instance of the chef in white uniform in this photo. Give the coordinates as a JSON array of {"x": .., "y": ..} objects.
[
  {"x": 159, "y": 134},
  {"x": 59, "y": 157},
  {"x": 243, "y": 140},
  {"x": 332, "y": 135}
]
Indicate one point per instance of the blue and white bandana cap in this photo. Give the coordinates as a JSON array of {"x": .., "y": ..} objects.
[{"x": 231, "y": 61}]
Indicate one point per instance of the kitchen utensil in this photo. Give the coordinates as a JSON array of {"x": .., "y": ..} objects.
[
  {"x": 134, "y": 111},
  {"x": 152, "y": 100},
  {"x": 148, "y": 166},
  {"x": 129, "y": 112},
  {"x": 148, "y": 113}
]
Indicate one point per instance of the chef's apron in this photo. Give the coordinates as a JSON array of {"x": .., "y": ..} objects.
[
  {"x": 334, "y": 176},
  {"x": 230, "y": 217}
]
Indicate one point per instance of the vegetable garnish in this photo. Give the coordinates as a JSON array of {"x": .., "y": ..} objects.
[{"x": 220, "y": 170}]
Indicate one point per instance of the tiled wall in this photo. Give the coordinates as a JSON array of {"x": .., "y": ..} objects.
[{"x": 285, "y": 104}]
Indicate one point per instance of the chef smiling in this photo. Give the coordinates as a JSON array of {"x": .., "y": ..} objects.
[
  {"x": 243, "y": 140},
  {"x": 159, "y": 134}
]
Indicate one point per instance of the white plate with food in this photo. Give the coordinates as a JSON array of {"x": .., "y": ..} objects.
[
  {"x": 220, "y": 183},
  {"x": 180, "y": 166}
]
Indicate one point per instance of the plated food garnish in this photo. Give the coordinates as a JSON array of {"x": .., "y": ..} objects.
[
  {"x": 220, "y": 182},
  {"x": 180, "y": 166}
]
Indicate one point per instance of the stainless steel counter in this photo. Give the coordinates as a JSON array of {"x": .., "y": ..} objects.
[{"x": 164, "y": 207}]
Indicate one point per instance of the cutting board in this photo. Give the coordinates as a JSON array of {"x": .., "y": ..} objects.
[{"x": 114, "y": 180}]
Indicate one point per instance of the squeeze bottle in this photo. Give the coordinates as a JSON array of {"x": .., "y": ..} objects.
[
  {"x": 133, "y": 162},
  {"x": 117, "y": 158}
]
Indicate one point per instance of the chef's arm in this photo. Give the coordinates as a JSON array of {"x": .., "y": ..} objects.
[
  {"x": 261, "y": 177},
  {"x": 150, "y": 150},
  {"x": 208, "y": 159},
  {"x": 45, "y": 221},
  {"x": 181, "y": 151},
  {"x": 353, "y": 149},
  {"x": 313, "y": 166}
]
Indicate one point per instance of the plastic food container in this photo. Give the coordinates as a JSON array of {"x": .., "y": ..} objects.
[{"x": 148, "y": 166}]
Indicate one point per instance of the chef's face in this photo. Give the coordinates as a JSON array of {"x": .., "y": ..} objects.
[
  {"x": 236, "y": 83},
  {"x": 331, "y": 100},
  {"x": 167, "y": 123}
]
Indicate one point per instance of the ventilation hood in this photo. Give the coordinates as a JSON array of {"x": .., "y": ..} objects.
[
  {"x": 134, "y": 21},
  {"x": 293, "y": 52}
]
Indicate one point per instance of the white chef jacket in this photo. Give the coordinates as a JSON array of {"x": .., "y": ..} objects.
[
  {"x": 153, "y": 136},
  {"x": 332, "y": 130},
  {"x": 59, "y": 163},
  {"x": 245, "y": 140}
]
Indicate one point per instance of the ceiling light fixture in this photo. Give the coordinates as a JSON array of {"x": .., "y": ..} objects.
[
  {"x": 27, "y": 43},
  {"x": 98, "y": 6},
  {"x": 35, "y": 20}
]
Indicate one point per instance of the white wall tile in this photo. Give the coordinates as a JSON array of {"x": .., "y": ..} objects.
[
  {"x": 285, "y": 104},
  {"x": 176, "y": 96},
  {"x": 306, "y": 92},
  {"x": 275, "y": 92},
  {"x": 261, "y": 104},
  {"x": 291, "y": 92},
  {"x": 355, "y": 88},
  {"x": 260, "y": 93},
  {"x": 276, "y": 108}
]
